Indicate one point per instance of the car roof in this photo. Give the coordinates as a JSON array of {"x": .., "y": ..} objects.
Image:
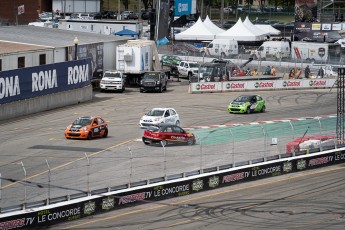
[{"x": 162, "y": 108}]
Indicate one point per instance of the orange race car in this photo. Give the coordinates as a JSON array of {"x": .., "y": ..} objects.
[{"x": 87, "y": 128}]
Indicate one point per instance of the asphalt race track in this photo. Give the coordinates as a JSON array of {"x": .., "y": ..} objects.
[
  {"x": 34, "y": 140},
  {"x": 309, "y": 200}
]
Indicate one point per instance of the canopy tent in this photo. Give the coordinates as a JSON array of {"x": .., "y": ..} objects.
[
  {"x": 257, "y": 31},
  {"x": 197, "y": 32},
  {"x": 212, "y": 27},
  {"x": 239, "y": 32},
  {"x": 126, "y": 32},
  {"x": 268, "y": 29}
]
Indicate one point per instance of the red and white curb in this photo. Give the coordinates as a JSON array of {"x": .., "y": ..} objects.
[{"x": 258, "y": 123}]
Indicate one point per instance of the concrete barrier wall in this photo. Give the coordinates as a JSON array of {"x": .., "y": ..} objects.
[{"x": 47, "y": 102}]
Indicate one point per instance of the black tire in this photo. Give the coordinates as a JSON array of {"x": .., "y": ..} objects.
[
  {"x": 146, "y": 142},
  {"x": 123, "y": 89},
  {"x": 263, "y": 109},
  {"x": 190, "y": 75},
  {"x": 141, "y": 91},
  {"x": 191, "y": 141},
  {"x": 248, "y": 110},
  {"x": 177, "y": 123},
  {"x": 89, "y": 136},
  {"x": 161, "y": 89},
  {"x": 105, "y": 133}
]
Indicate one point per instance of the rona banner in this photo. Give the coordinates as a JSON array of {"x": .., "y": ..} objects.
[{"x": 41, "y": 80}]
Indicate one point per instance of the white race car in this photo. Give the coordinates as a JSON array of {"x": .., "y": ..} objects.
[{"x": 160, "y": 116}]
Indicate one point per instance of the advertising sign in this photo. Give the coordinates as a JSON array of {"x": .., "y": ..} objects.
[
  {"x": 206, "y": 87},
  {"x": 21, "y": 9},
  {"x": 184, "y": 7},
  {"x": 234, "y": 86},
  {"x": 261, "y": 85},
  {"x": 289, "y": 84},
  {"x": 41, "y": 80}
]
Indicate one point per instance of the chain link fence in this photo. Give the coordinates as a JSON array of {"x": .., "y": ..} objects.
[{"x": 46, "y": 180}]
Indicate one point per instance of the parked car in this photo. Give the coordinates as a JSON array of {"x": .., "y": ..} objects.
[
  {"x": 106, "y": 15},
  {"x": 158, "y": 116},
  {"x": 228, "y": 24},
  {"x": 87, "y": 127},
  {"x": 227, "y": 10},
  {"x": 167, "y": 133},
  {"x": 133, "y": 16},
  {"x": 247, "y": 104},
  {"x": 188, "y": 68},
  {"x": 154, "y": 81},
  {"x": 125, "y": 14}
]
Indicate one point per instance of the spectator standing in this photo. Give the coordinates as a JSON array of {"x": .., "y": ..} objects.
[
  {"x": 273, "y": 71},
  {"x": 307, "y": 72},
  {"x": 292, "y": 73},
  {"x": 298, "y": 73},
  {"x": 321, "y": 73}
]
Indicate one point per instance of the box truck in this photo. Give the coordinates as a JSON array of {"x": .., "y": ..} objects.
[
  {"x": 221, "y": 48},
  {"x": 136, "y": 57},
  {"x": 272, "y": 50},
  {"x": 316, "y": 52}
]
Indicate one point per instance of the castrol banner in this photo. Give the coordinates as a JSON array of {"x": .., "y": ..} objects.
[
  {"x": 261, "y": 85},
  {"x": 234, "y": 86},
  {"x": 289, "y": 84},
  {"x": 206, "y": 87},
  {"x": 253, "y": 85}
]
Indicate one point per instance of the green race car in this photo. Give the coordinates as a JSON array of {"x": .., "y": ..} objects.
[{"x": 247, "y": 104}]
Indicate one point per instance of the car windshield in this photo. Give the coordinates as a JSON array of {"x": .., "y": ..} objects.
[
  {"x": 152, "y": 76},
  {"x": 112, "y": 75},
  {"x": 242, "y": 99},
  {"x": 194, "y": 65},
  {"x": 155, "y": 113},
  {"x": 82, "y": 121},
  {"x": 153, "y": 128},
  {"x": 205, "y": 69}
]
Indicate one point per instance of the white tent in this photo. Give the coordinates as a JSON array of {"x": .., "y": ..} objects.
[
  {"x": 239, "y": 32},
  {"x": 212, "y": 27},
  {"x": 268, "y": 29},
  {"x": 257, "y": 31},
  {"x": 197, "y": 32}
]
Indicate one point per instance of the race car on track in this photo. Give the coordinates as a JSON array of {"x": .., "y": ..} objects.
[
  {"x": 87, "y": 127},
  {"x": 164, "y": 133},
  {"x": 247, "y": 104},
  {"x": 160, "y": 116}
]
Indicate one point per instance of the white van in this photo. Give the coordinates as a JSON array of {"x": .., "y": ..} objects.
[
  {"x": 221, "y": 48},
  {"x": 273, "y": 50}
]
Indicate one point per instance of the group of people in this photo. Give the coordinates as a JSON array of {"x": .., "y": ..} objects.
[
  {"x": 298, "y": 73},
  {"x": 270, "y": 71}
]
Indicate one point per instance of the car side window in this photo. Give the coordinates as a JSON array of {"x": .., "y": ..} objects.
[
  {"x": 167, "y": 114},
  {"x": 172, "y": 112},
  {"x": 100, "y": 121},
  {"x": 95, "y": 121},
  {"x": 177, "y": 129},
  {"x": 168, "y": 130}
]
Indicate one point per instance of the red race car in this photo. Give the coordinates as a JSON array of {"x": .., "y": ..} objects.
[
  {"x": 87, "y": 128},
  {"x": 164, "y": 133}
]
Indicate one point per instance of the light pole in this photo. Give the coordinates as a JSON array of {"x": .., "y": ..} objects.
[{"x": 75, "y": 41}]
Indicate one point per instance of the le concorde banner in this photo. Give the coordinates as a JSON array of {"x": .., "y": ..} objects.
[
  {"x": 41, "y": 80},
  {"x": 49, "y": 216}
]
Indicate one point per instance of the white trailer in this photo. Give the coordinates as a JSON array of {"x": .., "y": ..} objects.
[
  {"x": 315, "y": 52},
  {"x": 273, "y": 49},
  {"x": 136, "y": 57}
]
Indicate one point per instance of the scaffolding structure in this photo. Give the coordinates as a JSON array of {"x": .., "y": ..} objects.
[{"x": 341, "y": 105}]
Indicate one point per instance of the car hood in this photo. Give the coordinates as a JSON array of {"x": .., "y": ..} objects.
[
  {"x": 111, "y": 79},
  {"x": 145, "y": 117},
  {"x": 237, "y": 103},
  {"x": 75, "y": 127}
]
